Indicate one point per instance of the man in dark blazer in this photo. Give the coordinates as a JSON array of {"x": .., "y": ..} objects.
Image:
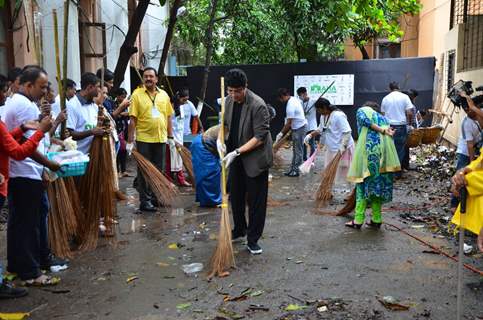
[{"x": 249, "y": 145}]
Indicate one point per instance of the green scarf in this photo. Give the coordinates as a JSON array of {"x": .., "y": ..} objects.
[{"x": 389, "y": 161}]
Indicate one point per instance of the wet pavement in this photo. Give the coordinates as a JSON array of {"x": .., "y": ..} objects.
[{"x": 311, "y": 262}]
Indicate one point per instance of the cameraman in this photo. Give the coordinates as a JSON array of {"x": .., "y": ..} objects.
[{"x": 470, "y": 136}]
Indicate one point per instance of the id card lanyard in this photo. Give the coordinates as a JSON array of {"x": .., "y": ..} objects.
[{"x": 154, "y": 111}]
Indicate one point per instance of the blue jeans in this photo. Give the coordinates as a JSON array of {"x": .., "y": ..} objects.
[
  {"x": 461, "y": 162},
  {"x": 400, "y": 137},
  {"x": 298, "y": 148}
]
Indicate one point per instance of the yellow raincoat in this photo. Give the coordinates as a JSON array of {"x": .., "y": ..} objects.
[{"x": 473, "y": 219}]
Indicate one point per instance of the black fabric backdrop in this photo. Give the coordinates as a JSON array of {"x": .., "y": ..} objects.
[{"x": 371, "y": 80}]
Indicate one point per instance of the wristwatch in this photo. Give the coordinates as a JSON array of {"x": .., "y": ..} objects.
[{"x": 237, "y": 152}]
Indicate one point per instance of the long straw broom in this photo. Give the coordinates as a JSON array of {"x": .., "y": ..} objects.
[
  {"x": 164, "y": 190},
  {"x": 62, "y": 220},
  {"x": 97, "y": 190},
  {"x": 73, "y": 194},
  {"x": 324, "y": 192},
  {"x": 187, "y": 162},
  {"x": 223, "y": 258}
]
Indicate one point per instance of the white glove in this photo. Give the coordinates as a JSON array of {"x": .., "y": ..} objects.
[
  {"x": 307, "y": 139},
  {"x": 129, "y": 147},
  {"x": 229, "y": 158},
  {"x": 342, "y": 148},
  {"x": 171, "y": 143},
  {"x": 220, "y": 146},
  {"x": 279, "y": 136}
]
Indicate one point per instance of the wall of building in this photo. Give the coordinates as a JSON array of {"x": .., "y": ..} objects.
[
  {"x": 48, "y": 48},
  {"x": 153, "y": 32},
  {"x": 115, "y": 15},
  {"x": 433, "y": 25},
  {"x": 23, "y": 40}
]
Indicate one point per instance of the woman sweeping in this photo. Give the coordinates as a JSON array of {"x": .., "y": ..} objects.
[
  {"x": 175, "y": 165},
  {"x": 335, "y": 133},
  {"x": 375, "y": 160},
  {"x": 206, "y": 165}
]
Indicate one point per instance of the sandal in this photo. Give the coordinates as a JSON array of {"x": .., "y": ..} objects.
[
  {"x": 42, "y": 281},
  {"x": 375, "y": 225},
  {"x": 352, "y": 224}
]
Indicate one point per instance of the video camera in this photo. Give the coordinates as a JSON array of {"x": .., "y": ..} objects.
[{"x": 457, "y": 88}]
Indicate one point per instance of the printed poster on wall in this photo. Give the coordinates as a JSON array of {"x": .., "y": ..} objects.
[{"x": 340, "y": 93}]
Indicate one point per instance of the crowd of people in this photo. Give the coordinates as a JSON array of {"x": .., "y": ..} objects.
[{"x": 156, "y": 125}]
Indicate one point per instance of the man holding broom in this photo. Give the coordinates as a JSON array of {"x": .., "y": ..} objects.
[
  {"x": 150, "y": 124},
  {"x": 249, "y": 147},
  {"x": 298, "y": 124}
]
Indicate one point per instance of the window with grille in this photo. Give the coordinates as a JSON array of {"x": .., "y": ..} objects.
[{"x": 470, "y": 14}]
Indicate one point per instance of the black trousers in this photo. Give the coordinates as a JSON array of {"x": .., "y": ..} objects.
[
  {"x": 27, "y": 240},
  {"x": 254, "y": 191},
  {"x": 156, "y": 153},
  {"x": 121, "y": 161}
]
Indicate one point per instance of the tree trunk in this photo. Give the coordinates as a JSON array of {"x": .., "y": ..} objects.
[
  {"x": 173, "y": 15},
  {"x": 209, "y": 48},
  {"x": 365, "y": 55},
  {"x": 128, "y": 48}
]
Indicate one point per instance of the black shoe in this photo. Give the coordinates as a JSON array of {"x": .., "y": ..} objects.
[
  {"x": 53, "y": 261},
  {"x": 9, "y": 292},
  {"x": 237, "y": 236},
  {"x": 147, "y": 206},
  {"x": 254, "y": 248},
  {"x": 287, "y": 174},
  {"x": 293, "y": 174}
]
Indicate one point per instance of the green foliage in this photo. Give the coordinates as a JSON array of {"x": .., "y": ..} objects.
[{"x": 281, "y": 31}]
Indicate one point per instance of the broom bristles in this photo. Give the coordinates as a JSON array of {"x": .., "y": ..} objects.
[
  {"x": 73, "y": 195},
  {"x": 277, "y": 145},
  {"x": 223, "y": 258},
  {"x": 349, "y": 205},
  {"x": 97, "y": 193},
  {"x": 164, "y": 190},
  {"x": 324, "y": 192},
  {"x": 62, "y": 221},
  {"x": 188, "y": 163}
]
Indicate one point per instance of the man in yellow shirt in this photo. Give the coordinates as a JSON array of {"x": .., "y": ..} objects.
[{"x": 150, "y": 124}]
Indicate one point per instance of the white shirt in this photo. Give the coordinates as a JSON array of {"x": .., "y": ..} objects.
[
  {"x": 295, "y": 112},
  {"x": 82, "y": 118},
  {"x": 2, "y": 111},
  {"x": 394, "y": 106},
  {"x": 310, "y": 113},
  {"x": 56, "y": 107},
  {"x": 179, "y": 125},
  {"x": 333, "y": 128},
  {"x": 470, "y": 131},
  {"x": 189, "y": 111},
  {"x": 18, "y": 110}
]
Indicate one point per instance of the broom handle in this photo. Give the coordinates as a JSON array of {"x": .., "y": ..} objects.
[
  {"x": 222, "y": 138},
  {"x": 459, "y": 288}
]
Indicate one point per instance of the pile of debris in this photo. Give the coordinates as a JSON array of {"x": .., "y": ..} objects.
[{"x": 435, "y": 162}]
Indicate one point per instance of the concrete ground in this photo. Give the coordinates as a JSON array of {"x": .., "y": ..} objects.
[{"x": 310, "y": 261}]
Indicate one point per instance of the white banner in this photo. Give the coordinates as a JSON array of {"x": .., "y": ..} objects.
[{"x": 340, "y": 93}]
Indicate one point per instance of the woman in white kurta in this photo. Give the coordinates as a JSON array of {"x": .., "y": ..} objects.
[
  {"x": 335, "y": 134},
  {"x": 178, "y": 119}
]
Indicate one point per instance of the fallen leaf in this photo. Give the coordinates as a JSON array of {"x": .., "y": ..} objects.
[
  {"x": 173, "y": 246},
  {"x": 391, "y": 304},
  {"x": 183, "y": 306},
  {"x": 299, "y": 262},
  {"x": 132, "y": 278},
  {"x": 10, "y": 276},
  {"x": 162, "y": 264},
  {"x": 213, "y": 236},
  {"x": 237, "y": 298},
  {"x": 246, "y": 291},
  {"x": 294, "y": 307},
  {"x": 256, "y": 293},
  {"x": 231, "y": 314},
  {"x": 14, "y": 316}
]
